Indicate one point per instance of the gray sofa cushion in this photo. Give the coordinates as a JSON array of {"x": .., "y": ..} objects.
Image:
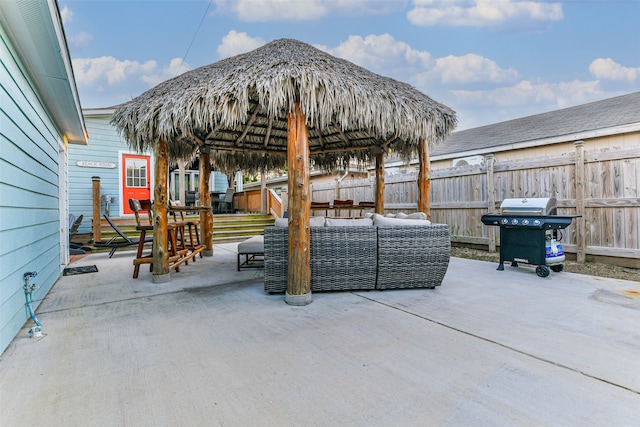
[
  {"x": 254, "y": 245},
  {"x": 314, "y": 221},
  {"x": 347, "y": 222}
]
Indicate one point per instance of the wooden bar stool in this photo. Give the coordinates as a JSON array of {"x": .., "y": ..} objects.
[
  {"x": 320, "y": 206},
  {"x": 176, "y": 255},
  {"x": 339, "y": 205},
  {"x": 192, "y": 228},
  {"x": 365, "y": 205}
]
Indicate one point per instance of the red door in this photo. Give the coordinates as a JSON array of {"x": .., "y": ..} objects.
[{"x": 135, "y": 179}]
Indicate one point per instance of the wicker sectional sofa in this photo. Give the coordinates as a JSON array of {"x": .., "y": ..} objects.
[{"x": 363, "y": 257}]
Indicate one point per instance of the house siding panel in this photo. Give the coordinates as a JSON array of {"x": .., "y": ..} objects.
[
  {"x": 29, "y": 193},
  {"x": 105, "y": 145}
]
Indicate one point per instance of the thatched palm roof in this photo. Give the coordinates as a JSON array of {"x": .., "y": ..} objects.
[{"x": 239, "y": 106}]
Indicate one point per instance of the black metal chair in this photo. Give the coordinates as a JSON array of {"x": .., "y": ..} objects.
[{"x": 76, "y": 248}]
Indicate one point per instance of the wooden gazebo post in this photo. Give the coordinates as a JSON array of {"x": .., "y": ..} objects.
[
  {"x": 160, "y": 201},
  {"x": 424, "y": 178},
  {"x": 206, "y": 223},
  {"x": 379, "y": 198},
  {"x": 299, "y": 274}
]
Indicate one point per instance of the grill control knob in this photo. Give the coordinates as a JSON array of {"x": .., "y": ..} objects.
[
  {"x": 525, "y": 222},
  {"x": 514, "y": 221},
  {"x": 536, "y": 222},
  {"x": 505, "y": 221}
]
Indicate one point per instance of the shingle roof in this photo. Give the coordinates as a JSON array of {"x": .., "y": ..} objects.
[{"x": 617, "y": 111}]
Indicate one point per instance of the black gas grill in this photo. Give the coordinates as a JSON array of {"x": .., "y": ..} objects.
[{"x": 529, "y": 233}]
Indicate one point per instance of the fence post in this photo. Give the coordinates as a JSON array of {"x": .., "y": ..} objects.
[
  {"x": 491, "y": 199},
  {"x": 580, "y": 222},
  {"x": 379, "y": 196},
  {"x": 95, "y": 225}
]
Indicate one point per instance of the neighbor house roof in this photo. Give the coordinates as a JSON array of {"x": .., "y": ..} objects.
[{"x": 610, "y": 116}]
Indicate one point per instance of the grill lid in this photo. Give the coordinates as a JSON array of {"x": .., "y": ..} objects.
[{"x": 540, "y": 206}]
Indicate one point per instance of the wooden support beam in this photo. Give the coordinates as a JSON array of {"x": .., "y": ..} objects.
[
  {"x": 263, "y": 191},
  {"x": 379, "y": 199},
  {"x": 424, "y": 178},
  {"x": 248, "y": 125},
  {"x": 299, "y": 276},
  {"x": 206, "y": 223},
  {"x": 265, "y": 151},
  {"x": 160, "y": 203},
  {"x": 267, "y": 136}
]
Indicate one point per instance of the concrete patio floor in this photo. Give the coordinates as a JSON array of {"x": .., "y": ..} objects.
[{"x": 487, "y": 348}]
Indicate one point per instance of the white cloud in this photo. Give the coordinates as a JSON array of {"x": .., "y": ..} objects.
[
  {"x": 109, "y": 70},
  {"x": 274, "y": 10},
  {"x": 482, "y": 13},
  {"x": 608, "y": 69},
  {"x": 468, "y": 69},
  {"x": 81, "y": 39},
  {"x": 67, "y": 15},
  {"x": 526, "y": 93},
  {"x": 387, "y": 56},
  {"x": 176, "y": 67},
  {"x": 304, "y": 10},
  {"x": 382, "y": 54},
  {"x": 235, "y": 43}
]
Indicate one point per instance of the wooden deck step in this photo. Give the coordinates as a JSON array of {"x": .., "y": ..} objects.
[{"x": 226, "y": 227}]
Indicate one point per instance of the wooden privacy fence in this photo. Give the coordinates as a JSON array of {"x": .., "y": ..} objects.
[
  {"x": 602, "y": 186},
  {"x": 252, "y": 201}
]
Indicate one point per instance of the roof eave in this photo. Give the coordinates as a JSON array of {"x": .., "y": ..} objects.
[{"x": 37, "y": 33}]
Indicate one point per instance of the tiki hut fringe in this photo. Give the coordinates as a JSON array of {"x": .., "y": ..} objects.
[{"x": 239, "y": 107}]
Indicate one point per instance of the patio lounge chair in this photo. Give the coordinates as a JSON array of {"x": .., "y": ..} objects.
[
  {"x": 224, "y": 205},
  {"x": 76, "y": 248},
  {"x": 121, "y": 240}
]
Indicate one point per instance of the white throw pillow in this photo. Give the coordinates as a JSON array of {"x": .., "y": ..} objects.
[
  {"x": 381, "y": 220},
  {"x": 415, "y": 215},
  {"x": 344, "y": 222}
]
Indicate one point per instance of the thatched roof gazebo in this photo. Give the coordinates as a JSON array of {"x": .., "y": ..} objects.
[{"x": 283, "y": 103}]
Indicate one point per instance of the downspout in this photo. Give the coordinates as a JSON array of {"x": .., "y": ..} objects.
[{"x": 338, "y": 181}]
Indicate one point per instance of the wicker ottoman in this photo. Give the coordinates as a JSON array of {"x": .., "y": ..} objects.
[{"x": 253, "y": 251}]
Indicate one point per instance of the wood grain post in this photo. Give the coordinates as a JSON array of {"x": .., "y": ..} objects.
[
  {"x": 299, "y": 277},
  {"x": 160, "y": 202},
  {"x": 263, "y": 192},
  {"x": 379, "y": 198},
  {"x": 424, "y": 178},
  {"x": 491, "y": 200},
  {"x": 95, "y": 225},
  {"x": 206, "y": 220},
  {"x": 580, "y": 190}
]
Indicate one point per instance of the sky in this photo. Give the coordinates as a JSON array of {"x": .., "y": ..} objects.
[{"x": 489, "y": 60}]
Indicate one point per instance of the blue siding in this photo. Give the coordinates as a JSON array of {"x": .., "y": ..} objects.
[
  {"x": 104, "y": 146},
  {"x": 29, "y": 193}
]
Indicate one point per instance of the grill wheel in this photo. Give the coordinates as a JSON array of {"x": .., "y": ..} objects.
[{"x": 543, "y": 271}]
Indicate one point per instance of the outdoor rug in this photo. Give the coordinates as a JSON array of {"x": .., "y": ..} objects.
[{"x": 71, "y": 271}]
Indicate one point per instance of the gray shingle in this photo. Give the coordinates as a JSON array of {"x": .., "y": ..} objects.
[{"x": 617, "y": 111}]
